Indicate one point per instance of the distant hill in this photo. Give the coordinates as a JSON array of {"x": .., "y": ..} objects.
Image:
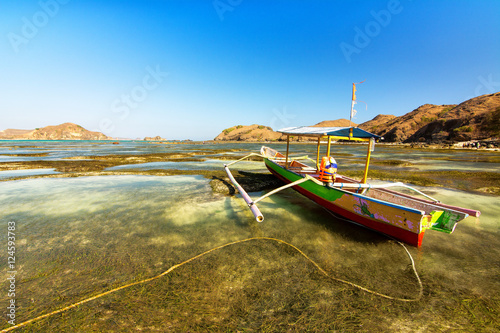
[
  {"x": 335, "y": 123},
  {"x": 249, "y": 133},
  {"x": 156, "y": 138},
  {"x": 377, "y": 122},
  {"x": 66, "y": 131},
  {"x": 255, "y": 133},
  {"x": 475, "y": 119},
  {"x": 399, "y": 129}
]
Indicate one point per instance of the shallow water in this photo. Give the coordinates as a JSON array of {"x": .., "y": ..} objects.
[
  {"x": 211, "y": 164},
  {"x": 77, "y": 237},
  {"x": 344, "y": 154},
  {"x": 26, "y": 172}
]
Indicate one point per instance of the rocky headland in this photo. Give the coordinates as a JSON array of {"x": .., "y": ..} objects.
[
  {"x": 156, "y": 138},
  {"x": 66, "y": 131}
]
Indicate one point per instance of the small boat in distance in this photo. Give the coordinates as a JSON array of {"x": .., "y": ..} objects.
[{"x": 399, "y": 215}]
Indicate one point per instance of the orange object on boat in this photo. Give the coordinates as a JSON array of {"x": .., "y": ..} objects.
[{"x": 327, "y": 169}]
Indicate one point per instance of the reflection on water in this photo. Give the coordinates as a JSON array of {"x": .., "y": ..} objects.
[{"x": 77, "y": 237}]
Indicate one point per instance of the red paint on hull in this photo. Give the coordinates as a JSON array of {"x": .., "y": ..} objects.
[{"x": 387, "y": 229}]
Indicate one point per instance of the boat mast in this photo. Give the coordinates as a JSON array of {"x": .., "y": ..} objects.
[
  {"x": 371, "y": 142},
  {"x": 353, "y": 101}
]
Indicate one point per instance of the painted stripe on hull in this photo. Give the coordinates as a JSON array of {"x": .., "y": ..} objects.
[{"x": 398, "y": 233}]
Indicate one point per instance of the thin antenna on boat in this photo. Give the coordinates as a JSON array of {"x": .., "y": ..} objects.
[{"x": 353, "y": 101}]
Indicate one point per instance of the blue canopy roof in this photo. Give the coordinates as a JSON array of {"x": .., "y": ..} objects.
[{"x": 341, "y": 132}]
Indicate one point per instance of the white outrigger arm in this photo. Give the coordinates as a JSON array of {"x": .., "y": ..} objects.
[
  {"x": 252, "y": 203},
  {"x": 255, "y": 210}
]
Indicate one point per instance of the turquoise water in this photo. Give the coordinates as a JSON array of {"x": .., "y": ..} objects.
[
  {"x": 345, "y": 155},
  {"x": 211, "y": 164},
  {"x": 26, "y": 173},
  {"x": 77, "y": 237}
]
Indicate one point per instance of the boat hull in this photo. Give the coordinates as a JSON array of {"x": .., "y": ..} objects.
[{"x": 397, "y": 221}]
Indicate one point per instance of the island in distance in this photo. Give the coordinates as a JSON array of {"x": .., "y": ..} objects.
[{"x": 66, "y": 131}]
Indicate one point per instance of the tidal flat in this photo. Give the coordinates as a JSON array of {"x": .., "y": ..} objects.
[{"x": 113, "y": 216}]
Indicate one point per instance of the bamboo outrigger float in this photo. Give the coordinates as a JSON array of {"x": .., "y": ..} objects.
[{"x": 396, "y": 214}]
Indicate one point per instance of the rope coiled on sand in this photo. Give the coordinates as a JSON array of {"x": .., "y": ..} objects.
[{"x": 74, "y": 305}]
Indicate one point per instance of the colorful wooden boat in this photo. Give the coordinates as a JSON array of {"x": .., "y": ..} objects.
[
  {"x": 377, "y": 207},
  {"x": 395, "y": 214}
]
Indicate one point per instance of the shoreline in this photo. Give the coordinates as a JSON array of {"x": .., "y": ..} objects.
[
  {"x": 414, "y": 145},
  {"x": 482, "y": 182}
]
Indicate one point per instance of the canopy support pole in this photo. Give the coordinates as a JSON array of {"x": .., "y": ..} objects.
[
  {"x": 317, "y": 153},
  {"x": 329, "y": 146},
  {"x": 368, "y": 155},
  {"x": 287, "y": 150}
]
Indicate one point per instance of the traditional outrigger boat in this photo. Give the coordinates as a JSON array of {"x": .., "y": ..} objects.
[{"x": 396, "y": 214}]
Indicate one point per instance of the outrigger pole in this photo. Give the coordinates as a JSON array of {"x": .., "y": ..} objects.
[
  {"x": 252, "y": 203},
  {"x": 255, "y": 210}
]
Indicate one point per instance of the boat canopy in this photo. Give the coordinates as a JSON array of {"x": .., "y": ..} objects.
[{"x": 341, "y": 133}]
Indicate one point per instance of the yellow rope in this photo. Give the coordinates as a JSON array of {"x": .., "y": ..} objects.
[{"x": 212, "y": 250}]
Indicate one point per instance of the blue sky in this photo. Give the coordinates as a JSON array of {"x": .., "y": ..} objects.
[{"x": 189, "y": 69}]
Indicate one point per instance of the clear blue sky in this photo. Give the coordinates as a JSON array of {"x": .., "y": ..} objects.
[{"x": 189, "y": 69}]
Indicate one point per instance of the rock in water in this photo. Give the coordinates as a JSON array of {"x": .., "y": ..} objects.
[{"x": 251, "y": 182}]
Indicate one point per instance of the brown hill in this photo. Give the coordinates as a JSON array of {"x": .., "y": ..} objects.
[
  {"x": 8, "y": 133},
  {"x": 475, "y": 119},
  {"x": 66, "y": 131},
  {"x": 398, "y": 129},
  {"x": 249, "y": 133},
  {"x": 255, "y": 133},
  {"x": 377, "y": 122},
  {"x": 335, "y": 123}
]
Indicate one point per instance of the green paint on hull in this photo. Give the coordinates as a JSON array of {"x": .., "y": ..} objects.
[
  {"x": 444, "y": 221},
  {"x": 329, "y": 194}
]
